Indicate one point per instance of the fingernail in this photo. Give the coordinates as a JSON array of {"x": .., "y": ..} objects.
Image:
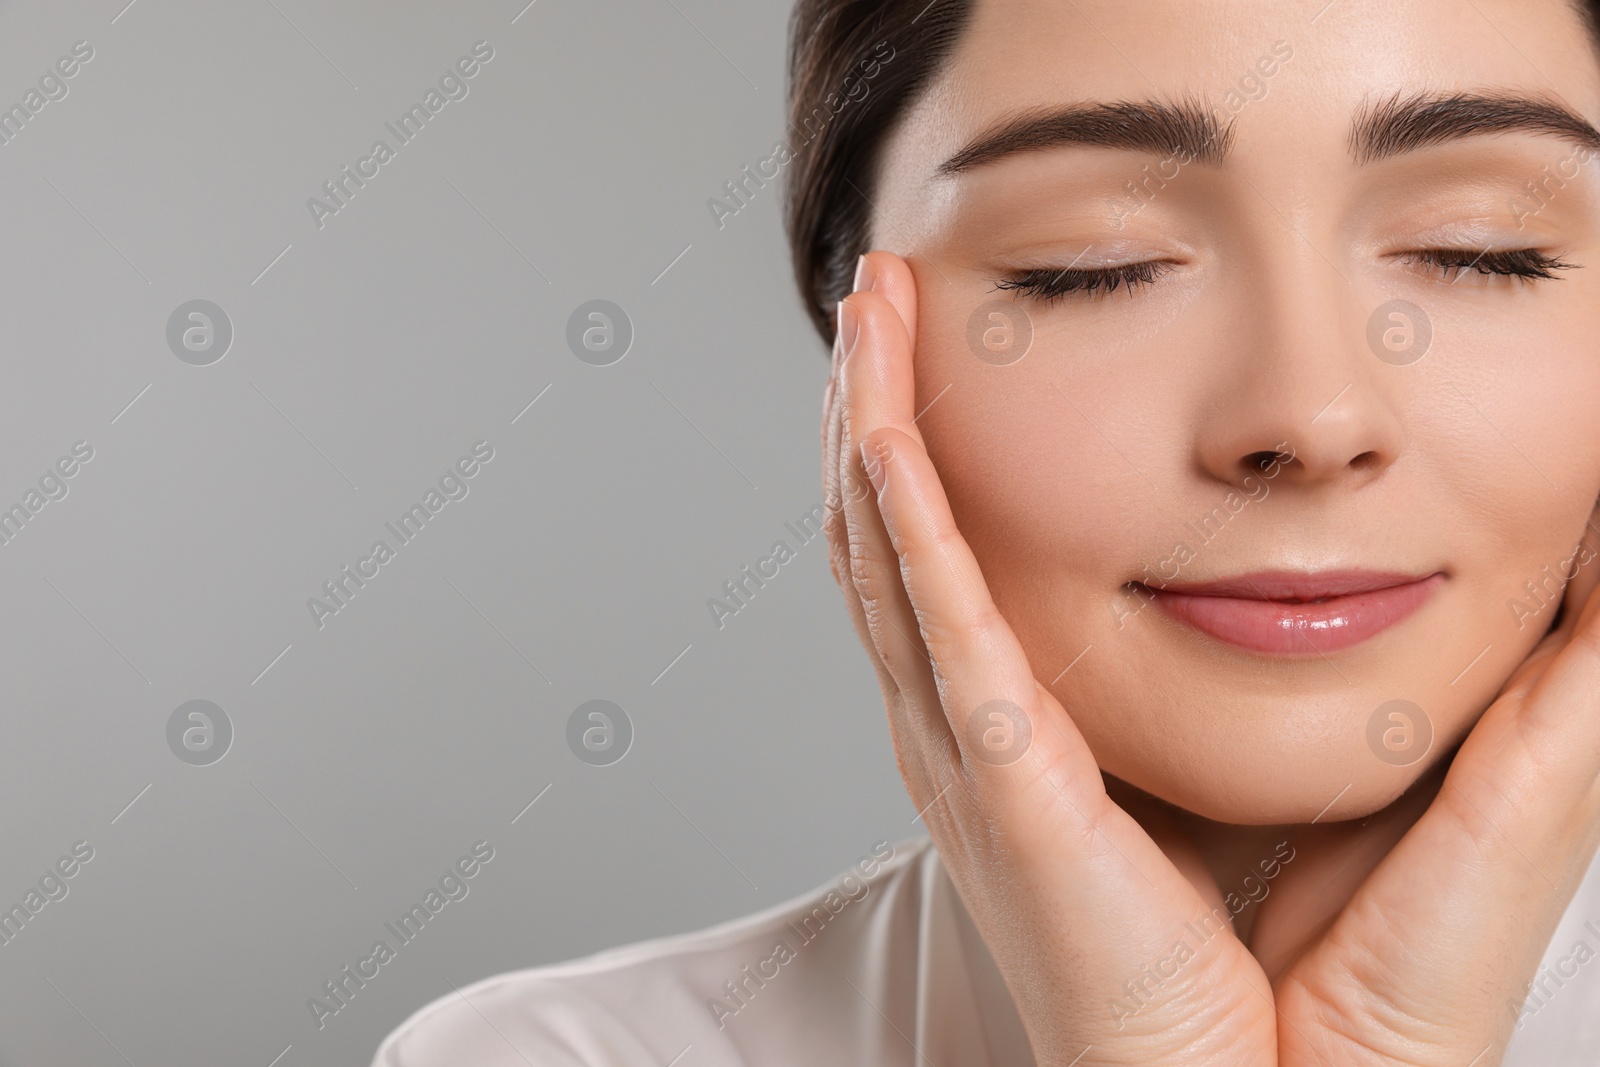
[
  {"x": 849, "y": 328},
  {"x": 866, "y": 276},
  {"x": 874, "y": 457}
]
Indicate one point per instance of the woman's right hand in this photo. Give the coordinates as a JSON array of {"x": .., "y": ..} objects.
[{"x": 1079, "y": 906}]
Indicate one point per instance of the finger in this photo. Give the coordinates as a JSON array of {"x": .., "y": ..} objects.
[
  {"x": 882, "y": 382},
  {"x": 922, "y": 741},
  {"x": 1027, "y": 825},
  {"x": 1034, "y": 800},
  {"x": 833, "y": 475},
  {"x": 1507, "y": 840},
  {"x": 845, "y": 487},
  {"x": 878, "y": 383},
  {"x": 973, "y": 688},
  {"x": 876, "y": 343},
  {"x": 890, "y": 276},
  {"x": 875, "y": 383},
  {"x": 980, "y": 667},
  {"x": 833, "y": 513},
  {"x": 833, "y": 523},
  {"x": 875, "y": 378},
  {"x": 876, "y": 386}
]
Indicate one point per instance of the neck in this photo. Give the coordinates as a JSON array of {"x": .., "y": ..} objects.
[{"x": 1300, "y": 874}]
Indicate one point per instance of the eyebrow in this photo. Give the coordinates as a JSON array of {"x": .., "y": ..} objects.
[
  {"x": 1380, "y": 130},
  {"x": 1405, "y": 124},
  {"x": 1184, "y": 128}
]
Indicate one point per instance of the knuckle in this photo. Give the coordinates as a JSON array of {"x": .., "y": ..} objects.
[
  {"x": 958, "y": 627},
  {"x": 872, "y": 610},
  {"x": 853, "y": 487},
  {"x": 868, "y": 574},
  {"x": 832, "y": 510},
  {"x": 859, "y": 555},
  {"x": 930, "y": 551},
  {"x": 833, "y": 517},
  {"x": 945, "y": 542}
]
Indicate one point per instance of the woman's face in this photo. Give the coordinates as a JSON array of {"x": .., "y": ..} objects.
[{"x": 1343, "y": 209}]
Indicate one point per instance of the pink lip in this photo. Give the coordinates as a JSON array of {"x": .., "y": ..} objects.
[{"x": 1294, "y": 613}]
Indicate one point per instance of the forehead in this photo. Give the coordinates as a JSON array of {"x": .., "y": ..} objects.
[{"x": 1228, "y": 55}]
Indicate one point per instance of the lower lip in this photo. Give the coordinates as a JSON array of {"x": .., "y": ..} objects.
[{"x": 1286, "y": 628}]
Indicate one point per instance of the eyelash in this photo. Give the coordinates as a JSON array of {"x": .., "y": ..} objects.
[
  {"x": 1527, "y": 264},
  {"x": 1050, "y": 284}
]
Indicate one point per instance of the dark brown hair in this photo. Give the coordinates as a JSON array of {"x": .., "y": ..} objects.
[
  {"x": 834, "y": 44},
  {"x": 835, "y": 47}
]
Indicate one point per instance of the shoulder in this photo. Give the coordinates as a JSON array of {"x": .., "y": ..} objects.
[{"x": 716, "y": 989}]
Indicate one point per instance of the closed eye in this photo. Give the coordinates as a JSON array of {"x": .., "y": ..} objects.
[
  {"x": 1051, "y": 283},
  {"x": 1527, "y": 264}
]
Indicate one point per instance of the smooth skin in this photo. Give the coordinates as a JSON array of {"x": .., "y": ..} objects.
[
  {"x": 1073, "y": 895},
  {"x": 1165, "y": 769},
  {"x": 1136, "y": 413}
]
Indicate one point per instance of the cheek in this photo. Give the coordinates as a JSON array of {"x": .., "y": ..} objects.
[
  {"x": 1509, "y": 425},
  {"x": 1504, "y": 450},
  {"x": 1067, "y": 470},
  {"x": 1036, "y": 464}
]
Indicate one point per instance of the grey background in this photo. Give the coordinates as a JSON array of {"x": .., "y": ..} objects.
[{"x": 367, "y": 357}]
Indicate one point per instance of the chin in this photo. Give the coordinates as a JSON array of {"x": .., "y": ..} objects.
[
  {"x": 1320, "y": 759},
  {"x": 1267, "y": 800}
]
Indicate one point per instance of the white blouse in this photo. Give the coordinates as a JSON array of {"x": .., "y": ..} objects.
[{"x": 881, "y": 965}]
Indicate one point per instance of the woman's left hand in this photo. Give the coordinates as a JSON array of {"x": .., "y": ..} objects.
[{"x": 1427, "y": 961}]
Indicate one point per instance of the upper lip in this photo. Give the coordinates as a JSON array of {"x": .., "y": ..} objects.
[{"x": 1286, "y": 585}]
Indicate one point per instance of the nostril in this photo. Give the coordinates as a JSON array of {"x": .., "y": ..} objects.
[
  {"x": 1260, "y": 461},
  {"x": 1364, "y": 461}
]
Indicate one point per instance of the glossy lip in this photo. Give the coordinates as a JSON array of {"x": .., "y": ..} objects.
[{"x": 1288, "y": 613}]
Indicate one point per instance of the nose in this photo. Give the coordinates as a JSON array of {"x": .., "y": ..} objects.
[{"x": 1300, "y": 386}]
